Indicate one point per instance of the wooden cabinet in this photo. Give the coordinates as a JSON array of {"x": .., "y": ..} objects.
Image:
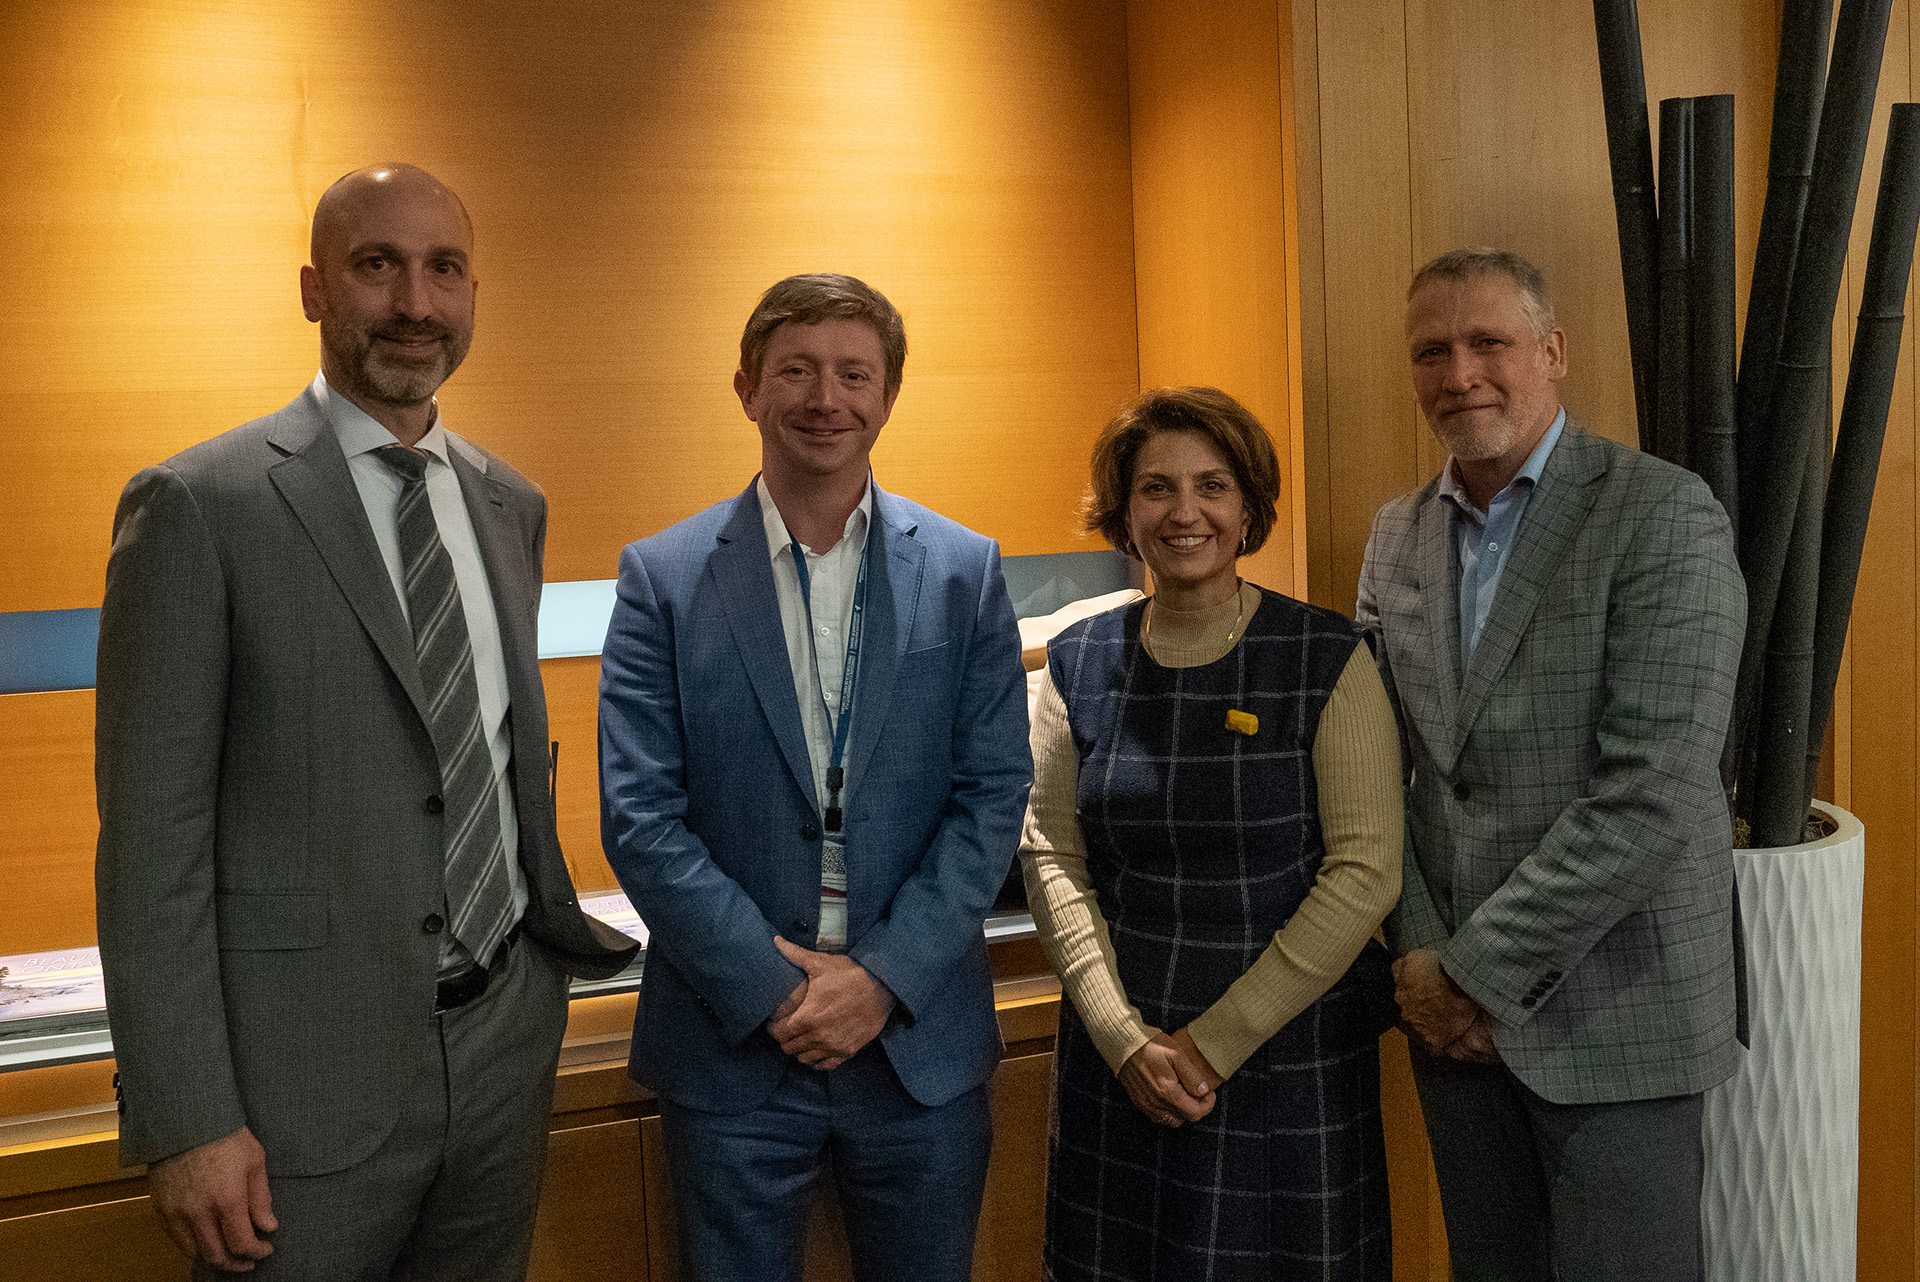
[{"x": 70, "y": 1213}]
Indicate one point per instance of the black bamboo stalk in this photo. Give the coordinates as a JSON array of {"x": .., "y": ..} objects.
[
  {"x": 1800, "y": 391},
  {"x": 1776, "y": 807},
  {"x": 1623, "y": 90},
  {"x": 1674, "y": 381},
  {"x": 1710, "y": 302},
  {"x": 1798, "y": 86},
  {"x": 1863, "y": 412}
]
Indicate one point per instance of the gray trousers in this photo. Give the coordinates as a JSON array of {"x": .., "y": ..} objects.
[
  {"x": 1561, "y": 1192},
  {"x": 451, "y": 1193}
]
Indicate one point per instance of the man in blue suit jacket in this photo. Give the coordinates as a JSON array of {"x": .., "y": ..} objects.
[{"x": 813, "y": 753}]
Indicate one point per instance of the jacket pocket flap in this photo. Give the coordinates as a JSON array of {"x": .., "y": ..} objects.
[{"x": 271, "y": 918}]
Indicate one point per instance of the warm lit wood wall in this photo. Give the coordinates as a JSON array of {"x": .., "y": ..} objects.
[
  {"x": 1215, "y": 258},
  {"x": 1429, "y": 124},
  {"x": 637, "y": 174}
]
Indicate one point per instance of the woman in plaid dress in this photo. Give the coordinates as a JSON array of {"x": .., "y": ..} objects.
[{"x": 1213, "y": 840}]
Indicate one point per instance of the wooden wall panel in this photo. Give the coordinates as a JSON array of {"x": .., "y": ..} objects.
[
  {"x": 637, "y": 174},
  {"x": 62, "y": 1087},
  {"x": 592, "y": 1223},
  {"x": 1374, "y": 435},
  {"x": 1310, "y": 224},
  {"x": 1885, "y": 759},
  {"x": 120, "y": 1240},
  {"x": 573, "y": 721},
  {"x": 1210, "y": 90},
  {"x": 47, "y": 840}
]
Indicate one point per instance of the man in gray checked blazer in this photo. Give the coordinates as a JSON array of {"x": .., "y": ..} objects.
[
  {"x": 1560, "y": 622},
  {"x": 334, "y": 918}
]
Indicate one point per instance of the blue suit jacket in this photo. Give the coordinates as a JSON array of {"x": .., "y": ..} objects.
[{"x": 709, "y": 816}]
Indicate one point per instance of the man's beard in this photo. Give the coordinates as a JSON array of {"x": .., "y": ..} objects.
[
  {"x": 1477, "y": 444},
  {"x": 371, "y": 377}
]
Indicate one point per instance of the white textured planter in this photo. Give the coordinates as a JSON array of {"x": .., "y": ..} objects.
[{"x": 1783, "y": 1135}]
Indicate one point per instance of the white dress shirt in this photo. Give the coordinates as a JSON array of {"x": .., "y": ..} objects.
[
  {"x": 380, "y": 489},
  {"x": 832, "y": 577}
]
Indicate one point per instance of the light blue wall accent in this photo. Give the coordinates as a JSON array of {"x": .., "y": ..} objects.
[
  {"x": 54, "y": 649},
  {"x": 573, "y": 617},
  {"x": 1042, "y": 583},
  {"x": 47, "y": 650}
]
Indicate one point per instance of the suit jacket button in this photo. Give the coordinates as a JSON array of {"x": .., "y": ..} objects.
[
  {"x": 1460, "y": 792},
  {"x": 809, "y": 832},
  {"x": 435, "y": 805},
  {"x": 1529, "y": 1001},
  {"x": 432, "y": 924},
  {"x": 797, "y": 926}
]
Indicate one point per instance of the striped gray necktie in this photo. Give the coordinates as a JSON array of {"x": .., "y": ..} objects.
[{"x": 479, "y": 894}]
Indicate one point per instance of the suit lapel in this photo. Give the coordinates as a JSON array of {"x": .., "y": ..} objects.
[
  {"x": 742, "y": 573},
  {"x": 1440, "y": 607},
  {"x": 893, "y": 594},
  {"x": 505, "y": 559},
  {"x": 1553, "y": 520},
  {"x": 316, "y": 484}
]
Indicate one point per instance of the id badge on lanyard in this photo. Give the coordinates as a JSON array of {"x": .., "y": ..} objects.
[{"x": 832, "y": 816}]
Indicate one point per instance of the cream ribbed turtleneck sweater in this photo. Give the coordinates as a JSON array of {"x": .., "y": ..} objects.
[{"x": 1356, "y": 764}]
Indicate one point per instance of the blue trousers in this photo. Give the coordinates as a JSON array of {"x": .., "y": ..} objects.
[{"x": 910, "y": 1177}]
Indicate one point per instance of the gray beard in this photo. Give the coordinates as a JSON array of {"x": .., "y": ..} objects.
[
  {"x": 1481, "y": 446},
  {"x": 399, "y": 386},
  {"x": 369, "y": 379}
]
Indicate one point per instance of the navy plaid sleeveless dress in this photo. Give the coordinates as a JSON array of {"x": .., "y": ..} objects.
[{"x": 1201, "y": 842}]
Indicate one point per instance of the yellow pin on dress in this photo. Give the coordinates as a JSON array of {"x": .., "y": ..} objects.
[{"x": 1242, "y": 722}]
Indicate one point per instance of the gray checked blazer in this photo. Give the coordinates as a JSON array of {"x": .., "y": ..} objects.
[{"x": 1568, "y": 844}]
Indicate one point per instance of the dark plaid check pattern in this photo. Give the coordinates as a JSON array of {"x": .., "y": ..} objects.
[
  {"x": 1201, "y": 843},
  {"x": 479, "y": 894}
]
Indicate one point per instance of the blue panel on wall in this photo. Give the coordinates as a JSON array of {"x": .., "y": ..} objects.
[
  {"x": 573, "y": 617},
  {"x": 47, "y": 649},
  {"x": 54, "y": 649},
  {"x": 1042, "y": 583}
]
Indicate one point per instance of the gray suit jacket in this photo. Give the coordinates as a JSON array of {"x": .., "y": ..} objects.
[
  {"x": 1568, "y": 845},
  {"x": 267, "y": 860}
]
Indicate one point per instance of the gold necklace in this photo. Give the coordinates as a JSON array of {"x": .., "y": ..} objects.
[{"x": 1239, "y": 614}]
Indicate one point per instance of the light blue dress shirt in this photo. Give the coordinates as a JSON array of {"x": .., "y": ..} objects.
[{"x": 1484, "y": 540}]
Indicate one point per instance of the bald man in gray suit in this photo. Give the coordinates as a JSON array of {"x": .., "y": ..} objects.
[{"x": 334, "y": 918}]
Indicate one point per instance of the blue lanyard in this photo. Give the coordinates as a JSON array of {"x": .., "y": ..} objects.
[{"x": 831, "y": 818}]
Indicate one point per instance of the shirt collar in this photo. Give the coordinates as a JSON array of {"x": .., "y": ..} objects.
[
  {"x": 1530, "y": 472},
  {"x": 779, "y": 540},
  {"x": 360, "y": 433}
]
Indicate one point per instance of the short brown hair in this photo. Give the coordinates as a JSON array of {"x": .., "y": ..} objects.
[
  {"x": 1207, "y": 412},
  {"x": 1465, "y": 264},
  {"x": 817, "y": 296}
]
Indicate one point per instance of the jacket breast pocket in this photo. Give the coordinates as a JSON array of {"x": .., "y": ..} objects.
[{"x": 271, "y": 919}]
